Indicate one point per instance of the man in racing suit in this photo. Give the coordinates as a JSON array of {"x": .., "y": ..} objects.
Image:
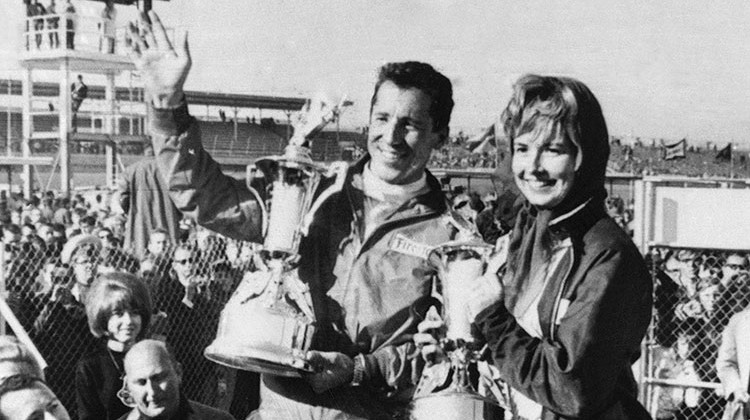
[{"x": 365, "y": 255}]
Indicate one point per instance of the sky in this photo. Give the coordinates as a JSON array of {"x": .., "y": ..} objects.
[{"x": 666, "y": 69}]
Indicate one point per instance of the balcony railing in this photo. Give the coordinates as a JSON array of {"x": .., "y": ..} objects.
[{"x": 73, "y": 31}]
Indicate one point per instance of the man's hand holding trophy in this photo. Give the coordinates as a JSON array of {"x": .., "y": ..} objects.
[{"x": 275, "y": 297}]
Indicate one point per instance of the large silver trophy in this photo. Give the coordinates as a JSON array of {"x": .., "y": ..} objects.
[
  {"x": 268, "y": 323},
  {"x": 461, "y": 385}
]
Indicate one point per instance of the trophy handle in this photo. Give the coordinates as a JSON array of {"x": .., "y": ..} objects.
[
  {"x": 338, "y": 169},
  {"x": 254, "y": 192}
]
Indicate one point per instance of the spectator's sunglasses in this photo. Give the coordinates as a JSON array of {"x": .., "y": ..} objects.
[
  {"x": 735, "y": 266},
  {"x": 185, "y": 261},
  {"x": 460, "y": 204}
]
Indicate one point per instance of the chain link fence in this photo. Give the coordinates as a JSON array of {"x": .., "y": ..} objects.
[
  {"x": 46, "y": 296},
  {"x": 696, "y": 292}
]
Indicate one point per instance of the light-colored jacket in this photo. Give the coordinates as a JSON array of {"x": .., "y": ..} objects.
[
  {"x": 733, "y": 361},
  {"x": 367, "y": 288}
]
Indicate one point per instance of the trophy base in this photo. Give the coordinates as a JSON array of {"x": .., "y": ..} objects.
[
  {"x": 450, "y": 404},
  {"x": 274, "y": 360}
]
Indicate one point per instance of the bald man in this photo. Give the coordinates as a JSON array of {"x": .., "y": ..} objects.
[{"x": 153, "y": 378}]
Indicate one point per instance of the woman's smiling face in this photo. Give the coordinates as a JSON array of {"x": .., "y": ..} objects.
[{"x": 544, "y": 166}]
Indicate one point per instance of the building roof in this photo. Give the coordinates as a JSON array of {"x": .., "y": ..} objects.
[{"x": 244, "y": 101}]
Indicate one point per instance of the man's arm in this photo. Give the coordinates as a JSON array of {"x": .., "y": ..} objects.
[
  {"x": 727, "y": 367},
  {"x": 194, "y": 180}
]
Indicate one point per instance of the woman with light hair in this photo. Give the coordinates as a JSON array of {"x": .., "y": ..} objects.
[
  {"x": 564, "y": 323},
  {"x": 118, "y": 308}
]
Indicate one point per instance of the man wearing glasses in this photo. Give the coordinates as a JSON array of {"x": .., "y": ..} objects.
[
  {"x": 734, "y": 288},
  {"x": 192, "y": 317}
]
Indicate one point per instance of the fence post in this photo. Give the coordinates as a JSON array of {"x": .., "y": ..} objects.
[{"x": 2, "y": 285}]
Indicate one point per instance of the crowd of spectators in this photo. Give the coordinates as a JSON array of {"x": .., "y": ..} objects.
[
  {"x": 55, "y": 247},
  {"x": 460, "y": 158},
  {"x": 637, "y": 158},
  {"x": 696, "y": 294},
  {"x": 701, "y": 162}
]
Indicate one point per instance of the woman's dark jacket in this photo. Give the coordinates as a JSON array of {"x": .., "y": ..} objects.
[
  {"x": 97, "y": 383},
  {"x": 581, "y": 367}
]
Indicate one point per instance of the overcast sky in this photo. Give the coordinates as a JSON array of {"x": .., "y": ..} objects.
[{"x": 666, "y": 69}]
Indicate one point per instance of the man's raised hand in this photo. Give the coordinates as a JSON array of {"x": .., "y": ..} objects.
[{"x": 163, "y": 66}]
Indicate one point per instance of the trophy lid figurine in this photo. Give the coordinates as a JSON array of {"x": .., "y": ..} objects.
[{"x": 268, "y": 323}]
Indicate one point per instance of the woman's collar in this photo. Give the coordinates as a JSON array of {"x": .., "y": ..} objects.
[
  {"x": 117, "y": 346},
  {"x": 579, "y": 220},
  {"x": 569, "y": 214}
]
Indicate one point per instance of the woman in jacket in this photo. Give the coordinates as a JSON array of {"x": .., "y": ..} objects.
[
  {"x": 118, "y": 308},
  {"x": 564, "y": 324}
]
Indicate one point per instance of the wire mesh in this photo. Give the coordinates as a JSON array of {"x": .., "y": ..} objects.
[
  {"x": 696, "y": 292},
  {"x": 46, "y": 296}
]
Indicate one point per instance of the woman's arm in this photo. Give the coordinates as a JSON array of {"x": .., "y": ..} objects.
[
  {"x": 575, "y": 373},
  {"x": 87, "y": 397}
]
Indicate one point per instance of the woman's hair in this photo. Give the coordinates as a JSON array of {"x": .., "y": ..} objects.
[
  {"x": 113, "y": 292},
  {"x": 16, "y": 358},
  {"x": 544, "y": 104}
]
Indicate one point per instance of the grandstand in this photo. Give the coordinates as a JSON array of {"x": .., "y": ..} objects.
[{"x": 233, "y": 149}]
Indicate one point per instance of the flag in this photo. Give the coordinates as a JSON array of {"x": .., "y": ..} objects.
[
  {"x": 674, "y": 151},
  {"x": 628, "y": 152},
  {"x": 725, "y": 154},
  {"x": 484, "y": 142}
]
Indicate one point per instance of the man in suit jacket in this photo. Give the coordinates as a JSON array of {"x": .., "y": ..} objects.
[
  {"x": 153, "y": 379},
  {"x": 733, "y": 361}
]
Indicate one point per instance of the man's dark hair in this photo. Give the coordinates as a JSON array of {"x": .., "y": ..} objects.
[{"x": 422, "y": 76}]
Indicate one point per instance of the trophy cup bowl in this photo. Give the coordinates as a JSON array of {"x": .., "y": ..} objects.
[
  {"x": 451, "y": 387},
  {"x": 268, "y": 324}
]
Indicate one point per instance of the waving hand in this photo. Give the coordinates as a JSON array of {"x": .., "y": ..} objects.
[{"x": 163, "y": 67}]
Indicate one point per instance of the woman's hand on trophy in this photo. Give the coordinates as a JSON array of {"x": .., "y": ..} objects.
[
  {"x": 331, "y": 370},
  {"x": 486, "y": 290},
  {"x": 427, "y": 339},
  {"x": 163, "y": 68}
]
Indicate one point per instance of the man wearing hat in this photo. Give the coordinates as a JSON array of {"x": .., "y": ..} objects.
[{"x": 61, "y": 330}]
